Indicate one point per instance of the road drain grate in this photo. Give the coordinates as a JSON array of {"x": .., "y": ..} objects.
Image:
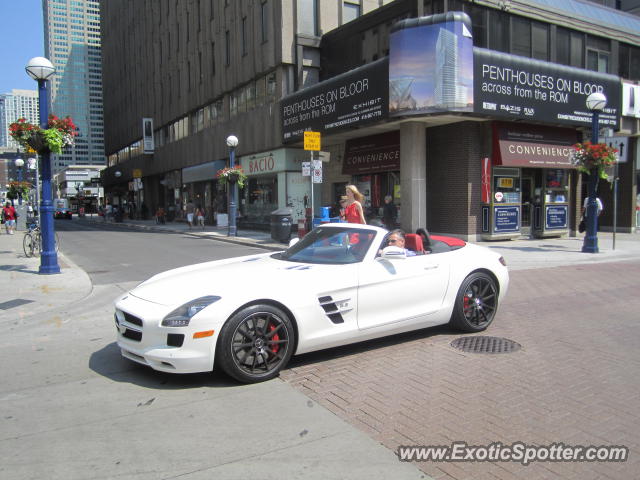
[{"x": 485, "y": 345}]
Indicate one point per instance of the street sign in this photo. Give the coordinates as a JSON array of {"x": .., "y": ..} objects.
[
  {"x": 137, "y": 173},
  {"x": 312, "y": 141},
  {"x": 306, "y": 169},
  {"x": 317, "y": 171}
]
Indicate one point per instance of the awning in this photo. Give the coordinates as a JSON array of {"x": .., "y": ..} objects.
[
  {"x": 202, "y": 172},
  {"x": 376, "y": 153}
]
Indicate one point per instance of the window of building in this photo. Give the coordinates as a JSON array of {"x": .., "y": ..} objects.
[
  {"x": 499, "y": 31},
  {"x": 576, "y": 55},
  {"x": 244, "y": 35},
  {"x": 307, "y": 17},
  {"x": 213, "y": 58},
  {"x": 598, "y": 53},
  {"x": 264, "y": 21},
  {"x": 227, "y": 48},
  {"x": 351, "y": 10}
]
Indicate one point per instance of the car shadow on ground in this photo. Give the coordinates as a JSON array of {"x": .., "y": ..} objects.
[
  {"x": 109, "y": 363},
  {"x": 370, "y": 345}
]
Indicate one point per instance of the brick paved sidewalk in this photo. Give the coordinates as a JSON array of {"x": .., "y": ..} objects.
[{"x": 574, "y": 381}]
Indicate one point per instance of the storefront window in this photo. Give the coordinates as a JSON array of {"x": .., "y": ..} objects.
[
  {"x": 506, "y": 185},
  {"x": 556, "y": 189},
  {"x": 261, "y": 198}
]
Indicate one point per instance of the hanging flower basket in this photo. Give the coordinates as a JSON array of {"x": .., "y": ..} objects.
[
  {"x": 588, "y": 156},
  {"x": 38, "y": 143},
  {"x": 15, "y": 189},
  {"x": 59, "y": 134},
  {"x": 231, "y": 176}
]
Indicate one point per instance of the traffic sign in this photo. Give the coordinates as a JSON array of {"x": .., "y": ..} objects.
[
  {"x": 137, "y": 173},
  {"x": 312, "y": 141}
]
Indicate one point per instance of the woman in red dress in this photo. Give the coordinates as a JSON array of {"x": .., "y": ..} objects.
[{"x": 353, "y": 213}]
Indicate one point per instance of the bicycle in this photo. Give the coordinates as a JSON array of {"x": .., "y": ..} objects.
[{"x": 32, "y": 240}]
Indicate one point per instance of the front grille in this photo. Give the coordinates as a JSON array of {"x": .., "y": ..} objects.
[
  {"x": 175, "y": 339},
  {"x": 132, "y": 335},
  {"x": 131, "y": 319}
]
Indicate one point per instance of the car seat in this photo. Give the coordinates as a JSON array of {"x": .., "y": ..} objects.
[
  {"x": 413, "y": 242},
  {"x": 426, "y": 238}
]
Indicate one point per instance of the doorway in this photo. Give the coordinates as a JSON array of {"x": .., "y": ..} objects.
[{"x": 526, "y": 188}]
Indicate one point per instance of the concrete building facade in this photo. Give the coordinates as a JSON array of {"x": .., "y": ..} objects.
[
  {"x": 15, "y": 105},
  {"x": 263, "y": 72},
  {"x": 72, "y": 43}
]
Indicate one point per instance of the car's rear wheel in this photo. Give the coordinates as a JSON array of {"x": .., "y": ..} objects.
[
  {"x": 256, "y": 343},
  {"x": 476, "y": 303}
]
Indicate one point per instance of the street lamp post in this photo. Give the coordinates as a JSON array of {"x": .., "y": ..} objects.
[
  {"x": 19, "y": 164},
  {"x": 596, "y": 103},
  {"x": 40, "y": 69},
  {"x": 232, "y": 143}
]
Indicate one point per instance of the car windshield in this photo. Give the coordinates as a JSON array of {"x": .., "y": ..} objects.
[{"x": 336, "y": 246}]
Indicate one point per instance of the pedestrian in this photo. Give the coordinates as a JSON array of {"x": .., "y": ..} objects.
[
  {"x": 353, "y": 213},
  {"x": 160, "y": 216},
  {"x": 389, "y": 213},
  {"x": 190, "y": 210},
  {"x": 9, "y": 215},
  {"x": 199, "y": 213},
  {"x": 108, "y": 211}
]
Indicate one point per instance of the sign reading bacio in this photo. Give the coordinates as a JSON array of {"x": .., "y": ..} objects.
[{"x": 351, "y": 99}]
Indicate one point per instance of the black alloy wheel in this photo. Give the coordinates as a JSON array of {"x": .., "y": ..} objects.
[
  {"x": 255, "y": 344},
  {"x": 476, "y": 303}
]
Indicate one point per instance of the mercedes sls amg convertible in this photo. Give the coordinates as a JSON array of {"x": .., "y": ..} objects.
[{"x": 340, "y": 284}]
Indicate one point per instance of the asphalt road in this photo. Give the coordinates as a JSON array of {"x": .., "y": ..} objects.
[{"x": 110, "y": 253}]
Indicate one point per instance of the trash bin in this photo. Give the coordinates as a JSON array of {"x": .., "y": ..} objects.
[{"x": 281, "y": 225}]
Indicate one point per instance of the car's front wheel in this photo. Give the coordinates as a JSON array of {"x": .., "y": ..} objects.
[
  {"x": 255, "y": 344},
  {"x": 476, "y": 303}
]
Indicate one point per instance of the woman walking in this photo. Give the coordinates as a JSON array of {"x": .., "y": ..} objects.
[{"x": 354, "y": 213}]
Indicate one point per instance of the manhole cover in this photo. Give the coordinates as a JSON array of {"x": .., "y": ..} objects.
[{"x": 485, "y": 345}]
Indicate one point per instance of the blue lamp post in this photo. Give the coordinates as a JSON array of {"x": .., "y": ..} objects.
[
  {"x": 19, "y": 164},
  {"x": 41, "y": 69},
  {"x": 232, "y": 143},
  {"x": 596, "y": 103}
]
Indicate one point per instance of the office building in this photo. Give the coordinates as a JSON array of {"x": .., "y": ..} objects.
[
  {"x": 72, "y": 43},
  {"x": 458, "y": 153},
  {"x": 15, "y": 105}
]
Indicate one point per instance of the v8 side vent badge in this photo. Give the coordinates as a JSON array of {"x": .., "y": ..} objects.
[{"x": 335, "y": 308}]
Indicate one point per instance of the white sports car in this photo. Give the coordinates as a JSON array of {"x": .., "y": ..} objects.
[{"x": 340, "y": 284}]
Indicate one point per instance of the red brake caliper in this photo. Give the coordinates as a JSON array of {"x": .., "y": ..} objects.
[{"x": 275, "y": 338}]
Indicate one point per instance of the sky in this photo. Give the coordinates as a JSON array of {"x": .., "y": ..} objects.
[{"x": 21, "y": 38}]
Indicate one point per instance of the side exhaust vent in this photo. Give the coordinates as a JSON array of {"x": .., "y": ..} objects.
[{"x": 335, "y": 308}]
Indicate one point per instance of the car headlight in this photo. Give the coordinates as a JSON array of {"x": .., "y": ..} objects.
[{"x": 181, "y": 316}]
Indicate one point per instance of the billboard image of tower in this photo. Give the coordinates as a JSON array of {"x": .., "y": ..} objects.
[{"x": 431, "y": 65}]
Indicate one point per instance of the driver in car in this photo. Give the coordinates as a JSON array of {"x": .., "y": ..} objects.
[{"x": 396, "y": 239}]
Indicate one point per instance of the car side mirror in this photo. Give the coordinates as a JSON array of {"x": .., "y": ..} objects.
[
  {"x": 393, "y": 253},
  {"x": 293, "y": 241}
]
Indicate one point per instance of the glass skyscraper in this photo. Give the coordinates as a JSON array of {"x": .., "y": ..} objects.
[
  {"x": 15, "y": 105},
  {"x": 72, "y": 43}
]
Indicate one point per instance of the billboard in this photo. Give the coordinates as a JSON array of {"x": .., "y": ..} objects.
[
  {"x": 352, "y": 99},
  {"x": 526, "y": 89},
  {"x": 431, "y": 65}
]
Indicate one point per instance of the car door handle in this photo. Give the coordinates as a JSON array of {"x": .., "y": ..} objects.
[{"x": 433, "y": 266}]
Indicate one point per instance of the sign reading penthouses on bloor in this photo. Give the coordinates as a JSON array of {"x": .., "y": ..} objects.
[{"x": 352, "y": 99}]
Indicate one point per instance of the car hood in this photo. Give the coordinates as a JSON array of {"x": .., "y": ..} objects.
[{"x": 222, "y": 277}]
